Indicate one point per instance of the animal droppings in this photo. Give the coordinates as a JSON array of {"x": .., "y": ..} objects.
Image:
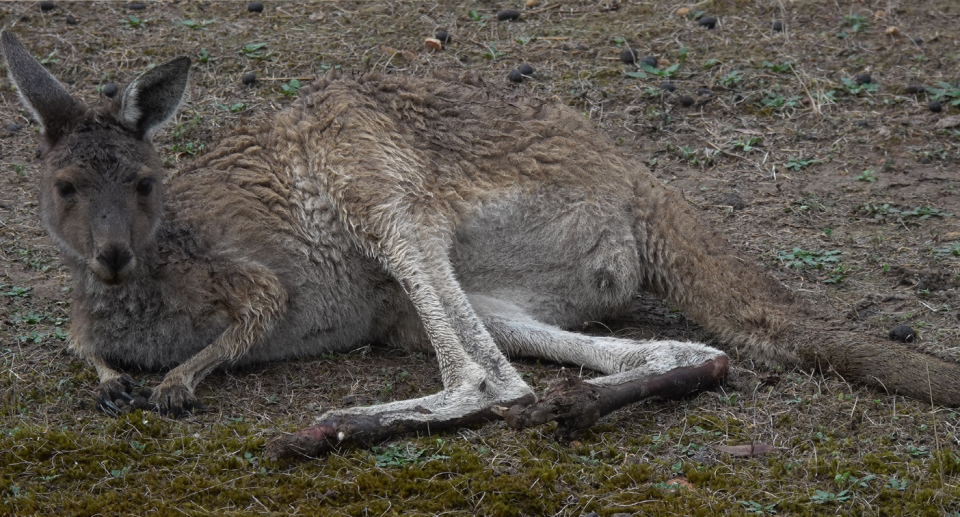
[
  {"x": 508, "y": 15},
  {"x": 863, "y": 79},
  {"x": 778, "y": 26},
  {"x": 110, "y": 89},
  {"x": 526, "y": 69},
  {"x": 443, "y": 36},
  {"x": 935, "y": 106},
  {"x": 650, "y": 60},
  {"x": 902, "y": 333},
  {"x": 255, "y": 7},
  {"x": 915, "y": 88},
  {"x": 628, "y": 56},
  {"x": 13, "y": 127},
  {"x": 248, "y": 78},
  {"x": 708, "y": 21},
  {"x": 668, "y": 86},
  {"x": 47, "y": 6},
  {"x": 686, "y": 101},
  {"x": 71, "y": 20},
  {"x": 136, "y": 6},
  {"x": 515, "y": 76}
]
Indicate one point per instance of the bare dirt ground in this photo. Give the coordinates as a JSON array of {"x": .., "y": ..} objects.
[{"x": 847, "y": 191}]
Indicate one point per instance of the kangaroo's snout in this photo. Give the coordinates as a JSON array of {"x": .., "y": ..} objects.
[{"x": 114, "y": 263}]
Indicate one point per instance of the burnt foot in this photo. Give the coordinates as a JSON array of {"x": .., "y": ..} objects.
[
  {"x": 305, "y": 443},
  {"x": 572, "y": 403},
  {"x": 329, "y": 434}
]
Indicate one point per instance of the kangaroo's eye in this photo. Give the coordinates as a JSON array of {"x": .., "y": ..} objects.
[
  {"x": 66, "y": 189},
  {"x": 145, "y": 186}
]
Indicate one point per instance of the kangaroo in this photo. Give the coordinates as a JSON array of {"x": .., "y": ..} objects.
[{"x": 426, "y": 213}]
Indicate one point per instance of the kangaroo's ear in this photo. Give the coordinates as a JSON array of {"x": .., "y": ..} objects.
[
  {"x": 153, "y": 98},
  {"x": 41, "y": 93}
]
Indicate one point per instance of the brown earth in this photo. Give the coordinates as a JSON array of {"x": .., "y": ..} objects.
[{"x": 774, "y": 152}]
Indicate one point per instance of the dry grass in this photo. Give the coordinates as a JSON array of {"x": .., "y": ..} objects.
[{"x": 845, "y": 450}]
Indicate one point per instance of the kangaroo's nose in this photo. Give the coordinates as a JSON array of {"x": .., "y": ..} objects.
[{"x": 115, "y": 257}]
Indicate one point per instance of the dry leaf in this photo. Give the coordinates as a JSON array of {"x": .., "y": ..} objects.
[
  {"x": 948, "y": 122},
  {"x": 747, "y": 450},
  {"x": 409, "y": 56},
  {"x": 678, "y": 483}
]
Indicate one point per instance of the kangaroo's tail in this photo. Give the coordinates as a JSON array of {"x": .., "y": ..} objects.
[{"x": 746, "y": 308}]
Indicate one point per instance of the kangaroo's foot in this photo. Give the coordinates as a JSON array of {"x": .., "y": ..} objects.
[
  {"x": 372, "y": 424},
  {"x": 173, "y": 399},
  {"x": 575, "y": 404},
  {"x": 119, "y": 395}
]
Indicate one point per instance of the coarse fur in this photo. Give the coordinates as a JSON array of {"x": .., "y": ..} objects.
[{"x": 427, "y": 213}]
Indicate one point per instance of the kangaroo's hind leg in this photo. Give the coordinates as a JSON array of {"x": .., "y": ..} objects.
[{"x": 635, "y": 369}]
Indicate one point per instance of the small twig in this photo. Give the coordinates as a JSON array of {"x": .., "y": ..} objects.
[
  {"x": 543, "y": 9},
  {"x": 308, "y": 78}
]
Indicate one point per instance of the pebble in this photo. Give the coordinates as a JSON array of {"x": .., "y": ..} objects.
[
  {"x": 628, "y": 56},
  {"x": 71, "y": 20},
  {"x": 902, "y": 333},
  {"x": 110, "y": 89},
  {"x": 668, "y": 86},
  {"x": 443, "y": 36},
  {"x": 704, "y": 91},
  {"x": 515, "y": 76},
  {"x": 863, "y": 79},
  {"x": 508, "y": 15},
  {"x": 650, "y": 60},
  {"x": 686, "y": 101},
  {"x": 778, "y": 26},
  {"x": 47, "y": 6},
  {"x": 248, "y": 78},
  {"x": 935, "y": 106},
  {"x": 733, "y": 200},
  {"x": 255, "y": 7},
  {"x": 708, "y": 21},
  {"x": 526, "y": 69}
]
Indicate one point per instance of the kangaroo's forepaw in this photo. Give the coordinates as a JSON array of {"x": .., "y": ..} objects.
[
  {"x": 174, "y": 400},
  {"x": 572, "y": 403},
  {"x": 118, "y": 396}
]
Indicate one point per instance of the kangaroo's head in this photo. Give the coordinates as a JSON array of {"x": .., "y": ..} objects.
[{"x": 101, "y": 189}]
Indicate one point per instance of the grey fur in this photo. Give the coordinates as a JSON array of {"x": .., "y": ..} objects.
[{"x": 426, "y": 213}]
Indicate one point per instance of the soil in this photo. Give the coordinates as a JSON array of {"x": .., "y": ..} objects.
[{"x": 846, "y": 192}]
